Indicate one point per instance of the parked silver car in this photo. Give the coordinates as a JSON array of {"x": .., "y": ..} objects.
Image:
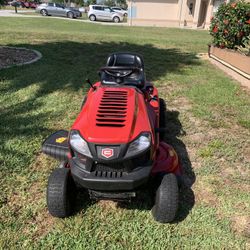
[
  {"x": 56, "y": 9},
  {"x": 120, "y": 10},
  {"x": 104, "y": 13}
]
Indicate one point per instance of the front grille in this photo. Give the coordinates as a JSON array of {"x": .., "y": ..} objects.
[
  {"x": 112, "y": 110},
  {"x": 106, "y": 174},
  {"x": 111, "y": 170}
]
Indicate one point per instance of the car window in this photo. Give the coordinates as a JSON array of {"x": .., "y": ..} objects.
[
  {"x": 59, "y": 5},
  {"x": 107, "y": 9},
  {"x": 50, "y": 4},
  {"x": 97, "y": 8}
]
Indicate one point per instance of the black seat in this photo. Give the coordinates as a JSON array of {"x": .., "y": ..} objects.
[{"x": 126, "y": 60}]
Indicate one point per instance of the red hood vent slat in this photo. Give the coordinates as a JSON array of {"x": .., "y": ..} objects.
[{"x": 112, "y": 110}]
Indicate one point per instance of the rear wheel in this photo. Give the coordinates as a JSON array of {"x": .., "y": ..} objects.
[
  {"x": 92, "y": 18},
  {"x": 166, "y": 199},
  {"x": 44, "y": 12},
  {"x": 116, "y": 19},
  {"x": 70, "y": 15},
  {"x": 61, "y": 193}
]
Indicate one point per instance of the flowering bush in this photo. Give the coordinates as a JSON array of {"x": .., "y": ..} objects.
[
  {"x": 230, "y": 27},
  {"x": 245, "y": 48}
]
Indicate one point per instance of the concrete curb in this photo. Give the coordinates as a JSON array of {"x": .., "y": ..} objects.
[{"x": 38, "y": 54}]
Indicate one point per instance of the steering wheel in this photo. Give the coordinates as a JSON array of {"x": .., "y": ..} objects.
[{"x": 115, "y": 71}]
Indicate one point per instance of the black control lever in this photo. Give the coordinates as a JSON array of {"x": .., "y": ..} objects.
[{"x": 91, "y": 85}]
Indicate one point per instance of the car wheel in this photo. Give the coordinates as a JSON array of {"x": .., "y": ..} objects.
[
  {"x": 116, "y": 19},
  {"x": 70, "y": 15},
  {"x": 61, "y": 193},
  {"x": 125, "y": 15},
  {"x": 44, "y": 12},
  {"x": 166, "y": 199},
  {"x": 92, "y": 18}
]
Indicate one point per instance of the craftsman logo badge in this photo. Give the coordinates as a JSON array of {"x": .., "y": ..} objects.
[{"x": 107, "y": 152}]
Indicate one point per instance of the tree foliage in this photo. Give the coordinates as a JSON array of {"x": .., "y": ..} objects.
[
  {"x": 109, "y": 3},
  {"x": 89, "y": 2},
  {"x": 122, "y": 3},
  {"x": 2, "y": 2}
]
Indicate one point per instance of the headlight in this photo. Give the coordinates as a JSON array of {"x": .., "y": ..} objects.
[
  {"x": 140, "y": 144},
  {"x": 78, "y": 144}
]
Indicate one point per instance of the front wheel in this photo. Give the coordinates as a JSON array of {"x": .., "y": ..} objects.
[
  {"x": 116, "y": 19},
  {"x": 61, "y": 192},
  {"x": 166, "y": 199},
  {"x": 44, "y": 12},
  {"x": 92, "y": 18},
  {"x": 70, "y": 15}
]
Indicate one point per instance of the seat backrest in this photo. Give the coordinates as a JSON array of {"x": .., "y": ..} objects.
[{"x": 126, "y": 60}]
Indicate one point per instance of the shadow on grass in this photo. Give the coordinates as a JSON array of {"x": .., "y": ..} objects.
[
  {"x": 64, "y": 66},
  {"x": 144, "y": 200},
  {"x": 174, "y": 131}
]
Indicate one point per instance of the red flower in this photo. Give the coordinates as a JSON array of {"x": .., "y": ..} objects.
[
  {"x": 215, "y": 29},
  {"x": 222, "y": 45},
  {"x": 248, "y": 21},
  {"x": 240, "y": 34},
  {"x": 226, "y": 22},
  {"x": 225, "y": 32},
  {"x": 233, "y": 5}
]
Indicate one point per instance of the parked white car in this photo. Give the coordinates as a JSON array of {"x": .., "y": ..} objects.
[
  {"x": 120, "y": 10},
  {"x": 104, "y": 13},
  {"x": 82, "y": 10}
]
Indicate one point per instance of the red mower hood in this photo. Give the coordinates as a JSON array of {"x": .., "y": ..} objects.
[{"x": 113, "y": 115}]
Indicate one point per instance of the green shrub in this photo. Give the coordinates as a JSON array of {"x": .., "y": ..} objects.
[
  {"x": 245, "y": 48},
  {"x": 230, "y": 27}
]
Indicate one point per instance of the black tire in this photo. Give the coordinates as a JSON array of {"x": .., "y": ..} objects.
[
  {"x": 70, "y": 15},
  {"x": 162, "y": 116},
  {"x": 116, "y": 19},
  {"x": 125, "y": 15},
  {"x": 61, "y": 193},
  {"x": 92, "y": 18},
  {"x": 166, "y": 199},
  {"x": 44, "y": 12}
]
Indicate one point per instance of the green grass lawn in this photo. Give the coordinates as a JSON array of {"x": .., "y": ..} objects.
[
  {"x": 208, "y": 120},
  {"x": 8, "y": 7}
]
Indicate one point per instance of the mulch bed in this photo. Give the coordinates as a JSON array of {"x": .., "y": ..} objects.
[{"x": 13, "y": 56}]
